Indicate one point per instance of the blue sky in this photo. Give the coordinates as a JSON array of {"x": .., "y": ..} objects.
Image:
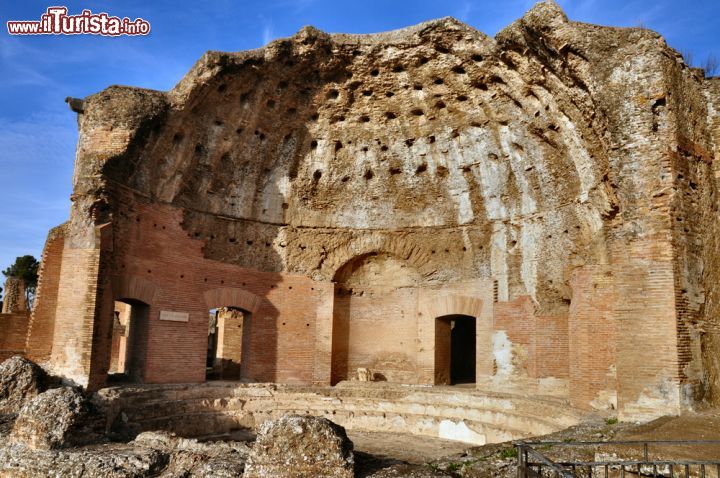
[{"x": 38, "y": 131}]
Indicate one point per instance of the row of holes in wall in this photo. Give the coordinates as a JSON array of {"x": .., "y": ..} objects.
[
  {"x": 334, "y": 94},
  {"x": 441, "y": 170},
  {"x": 250, "y": 242},
  {"x": 232, "y": 240},
  {"x": 222, "y": 281},
  {"x": 439, "y": 104}
]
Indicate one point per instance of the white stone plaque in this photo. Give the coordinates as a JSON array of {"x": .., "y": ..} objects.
[{"x": 174, "y": 316}]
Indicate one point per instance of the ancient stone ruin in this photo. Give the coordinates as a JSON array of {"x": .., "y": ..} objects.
[
  {"x": 58, "y": 418},
  {"x": 20, "y": 381},
  {"x": 427, "y": 231},
  {"x": 14, "y": 319},
  {"x": 300, "y": 447},
  {"x": 14, "y": 299}
]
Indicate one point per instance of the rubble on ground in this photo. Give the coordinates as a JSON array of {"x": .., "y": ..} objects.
[
  {"x": 20, "y": 380},
  {"x": 301, "y": 447}
]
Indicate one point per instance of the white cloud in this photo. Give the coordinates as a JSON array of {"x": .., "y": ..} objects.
[{"x": 36, "y": 158}]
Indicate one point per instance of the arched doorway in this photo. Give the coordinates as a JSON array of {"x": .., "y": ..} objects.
[
  {"x": 231, "y": 329},
  {"x": 455, "y": 349},
  {"x": 129, "y": 340},
  {"x": 375, "y": 320},
  {"x": 227, "y": 334}
]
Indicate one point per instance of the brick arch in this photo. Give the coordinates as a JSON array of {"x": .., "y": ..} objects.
[
  {"x": 452, "y": 304},
  {"x": 232, "y": 297},
  {"x": 399, "y": 247},
  {"x": 136, "y": 288}
]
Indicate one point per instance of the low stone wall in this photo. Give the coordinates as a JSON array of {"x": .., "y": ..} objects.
[
  {"x": 13, "y": 333},
  {"x": 218, "y": 408}
]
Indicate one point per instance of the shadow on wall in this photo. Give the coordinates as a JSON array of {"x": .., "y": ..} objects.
[
  {"x": 167, "y": 336},
  {"x": 129, "y": 349},
  {"x": 375, "y": 319}
]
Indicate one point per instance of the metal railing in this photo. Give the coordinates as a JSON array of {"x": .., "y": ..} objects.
[{"x": 531, "y": 463}]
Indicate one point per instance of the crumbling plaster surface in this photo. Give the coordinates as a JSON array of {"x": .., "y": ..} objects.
[
  {"x": 709, "y": 325},
  {"x": 436, "y": 140},
  {"x": 520, "y": 158}
]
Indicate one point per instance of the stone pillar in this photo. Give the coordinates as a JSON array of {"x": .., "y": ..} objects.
[
  {"x": 230, "y": 323},
  {"x": 14, "y": 299}
]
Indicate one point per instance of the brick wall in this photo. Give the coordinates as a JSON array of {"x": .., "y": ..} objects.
[
  {"x": 540, "y": 342},
  {"x": 376, "y": 330},
  {"x": 516, "y": 318},
  {"x": 593, "y": 338},
  {"x": 42, "y": 322},
  {"x": 14, "y": 298},
  {"x": 13, "y": 327},
  {"x": 550, "y": 347},
  {"x": 279, "y": 335},
  {"x": 647, "y": 342},
  {"x": 470, "y": 298},
  {"x": 711, "y": 259},
  {"x": 75, "y": 314}
]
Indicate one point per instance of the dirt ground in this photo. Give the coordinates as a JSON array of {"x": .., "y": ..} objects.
[
  {"x": 386, "y": 455},
  {"x": 499, "y": 460}
]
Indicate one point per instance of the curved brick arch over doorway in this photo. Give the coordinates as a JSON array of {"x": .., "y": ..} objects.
[
  {"x": 135, "y": 288},
  {"x": 232, "y": 297},
  {"x": 452, "y": 304},
  {"x": 139, "y": 296},
  {"x": 414, "y": 254}
]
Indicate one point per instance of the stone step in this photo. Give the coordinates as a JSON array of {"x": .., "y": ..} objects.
[
  {"x": 463, "y": 414},
  {"x": 419, "y": 405}
]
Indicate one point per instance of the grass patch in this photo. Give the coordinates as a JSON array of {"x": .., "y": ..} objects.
[
  {"x": 508, "y": 453},
  {"x": 611, "y": 421}
]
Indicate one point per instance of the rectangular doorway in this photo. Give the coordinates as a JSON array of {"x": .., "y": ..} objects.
[
  {"x": 455, "y": 349},
  {"x": 462, "y": 349}
]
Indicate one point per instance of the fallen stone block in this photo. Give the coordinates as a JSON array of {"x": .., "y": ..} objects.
[
  {"x": 58, "y": 418},
  {"x": 20, "y": 381},
  {"x": 301, "y": 447}
]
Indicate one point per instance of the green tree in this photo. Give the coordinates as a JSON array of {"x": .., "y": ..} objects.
[{"x": 25, "y": 268}]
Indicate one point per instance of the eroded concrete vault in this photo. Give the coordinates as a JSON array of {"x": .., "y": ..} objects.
[{"x": 355, "y": 195}]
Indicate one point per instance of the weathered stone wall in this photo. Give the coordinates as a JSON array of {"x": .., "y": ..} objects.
[
  {"x": 709, "y": 329},
  {"x": 14, "y": 299},
  {"x": 347, "y": 190}
]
